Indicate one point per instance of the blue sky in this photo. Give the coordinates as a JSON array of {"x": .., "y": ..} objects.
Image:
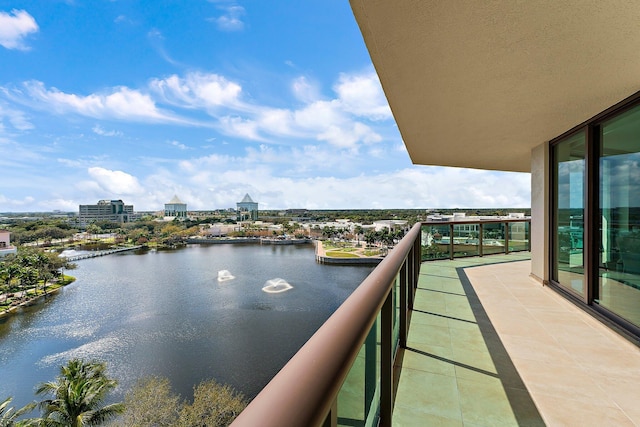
[{"x": 208, "y": 100}]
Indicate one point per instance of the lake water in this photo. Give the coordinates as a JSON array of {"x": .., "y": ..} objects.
[{"x": 165, "y": 313}]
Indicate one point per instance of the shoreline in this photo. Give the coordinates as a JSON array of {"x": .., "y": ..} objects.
[
  {"x": 33, "y": 300},
  {"x": 359, "y": 259}
]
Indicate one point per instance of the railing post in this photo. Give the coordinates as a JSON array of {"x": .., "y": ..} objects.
[
  {"x": 480, "y": 235},
  {"x": 418, "y": 252},
  {"x": 386, "y": 362},
  {"x": 332, "y": 416},
  {"x": 506, "y": 237},
  {"x": 451, "y": 241}
]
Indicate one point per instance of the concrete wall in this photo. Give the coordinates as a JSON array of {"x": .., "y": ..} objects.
[{"x": 540, "y": 220}]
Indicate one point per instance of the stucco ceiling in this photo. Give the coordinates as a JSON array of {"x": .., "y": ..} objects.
[{"x": 478, "y": 84}]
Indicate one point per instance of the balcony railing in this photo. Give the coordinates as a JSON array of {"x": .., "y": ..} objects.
[
  {"x": 344, "y": 373},
  {"x": 453, "y": 239}
]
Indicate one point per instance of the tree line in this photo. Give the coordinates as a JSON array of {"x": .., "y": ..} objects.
[
  {"x": 31, "y": 272},
  {"x": 78, "y": 396}
]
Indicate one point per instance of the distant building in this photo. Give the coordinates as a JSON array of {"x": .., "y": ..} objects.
[
  {"x": 390, "y": 224},
  {"x": 247, "y": 209},
  {"x": 5, "y": 244},
  {"x": 175, "y": 208},
  {"x": 106, "y": 210}
]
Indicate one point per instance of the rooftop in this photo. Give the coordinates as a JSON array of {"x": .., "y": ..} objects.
[{"x": 175, "y": 201}]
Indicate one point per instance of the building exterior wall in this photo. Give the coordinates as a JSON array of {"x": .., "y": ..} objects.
[
  {"x": 178, "y": 210},
  {"x": 247, "y": 211},
  {"x": 105, "y": 210},
  {"x": 540, "y": 212},
  {"x": 5, "y": 244}
]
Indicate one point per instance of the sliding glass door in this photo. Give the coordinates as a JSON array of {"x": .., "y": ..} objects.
[
  {"x": 568, "y": 216},
  {"x": 619, "y": 216}
]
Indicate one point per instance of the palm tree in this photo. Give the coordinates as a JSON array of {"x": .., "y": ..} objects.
[
  {"x": 8, "y": 416},
  {"x": 78, "y": 394}
]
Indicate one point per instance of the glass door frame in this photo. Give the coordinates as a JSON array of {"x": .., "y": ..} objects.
[{"x": 591, "y": 203}]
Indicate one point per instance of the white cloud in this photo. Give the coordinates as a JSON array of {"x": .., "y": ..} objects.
[
  {"x": 17, "y": 204},
  {"x": 115, "y": 183},
  {"x": 120, "y": 103},
  {"x": 16, "y": 118},
  {"x": 178, "y": 144},
  {"x": 304, "y": 90},
  {"x": 14, "y": 27},
  {"x": 156, "y": 39},
  {"x": 241, "y": 128},
  {"x": 362, "y": 95},
  {"x": 231, "y": 19},
  {"x": 198, "y": 90},
  {"x": 97, "y": 129},
  {"x": 346, "y": 122}
]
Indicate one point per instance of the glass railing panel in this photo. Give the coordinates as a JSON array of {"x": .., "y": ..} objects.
[
  {"x": 519, "y": 236},
  {"x": 493, "y": 238},
  {"x": 465, "y": 239},
  {"x": 359, "y": 397},
  {"x": 435, "y": 242}
]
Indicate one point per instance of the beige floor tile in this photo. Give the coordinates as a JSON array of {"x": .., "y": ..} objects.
[{"x": 574, "y": 413}]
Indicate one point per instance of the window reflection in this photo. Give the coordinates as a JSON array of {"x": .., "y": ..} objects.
[
  {"x": 569, "y": 175},
  {"x": 619, "y": 250}
]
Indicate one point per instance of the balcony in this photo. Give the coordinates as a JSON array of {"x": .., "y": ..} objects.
[{"x": 460, "y": 341}]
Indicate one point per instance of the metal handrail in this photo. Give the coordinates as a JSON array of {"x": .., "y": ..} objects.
[
  {"x": 304, "y": 392},
  {"x": 467, "y": 220}
]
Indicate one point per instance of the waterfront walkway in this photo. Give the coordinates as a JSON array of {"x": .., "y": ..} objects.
[
  {"x": 490, "y": 346},
  {"x": 94, "y": 254},
  {"x": 347, "y": 255}
]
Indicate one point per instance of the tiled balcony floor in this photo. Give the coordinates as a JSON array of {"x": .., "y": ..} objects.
[{"x": 493, "y": 347}]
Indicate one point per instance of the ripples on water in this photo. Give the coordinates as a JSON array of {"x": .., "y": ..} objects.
[{"x": 165, "y": 313}]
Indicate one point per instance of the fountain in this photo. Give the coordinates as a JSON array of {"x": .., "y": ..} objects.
[
  {"x": 225, "y": 275},
  {"x": 277, "y": 285}
]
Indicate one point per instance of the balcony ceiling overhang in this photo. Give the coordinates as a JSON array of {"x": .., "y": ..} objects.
[{"x": 478, "y": 84}]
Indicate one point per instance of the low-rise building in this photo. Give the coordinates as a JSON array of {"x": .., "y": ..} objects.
[{"x": 5, "y": 244}]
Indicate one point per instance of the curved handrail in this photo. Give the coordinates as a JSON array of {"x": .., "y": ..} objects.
[{"x": 304, "y": 390}]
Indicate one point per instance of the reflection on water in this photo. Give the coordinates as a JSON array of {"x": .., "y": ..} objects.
[{"x": 164, "y": 313}]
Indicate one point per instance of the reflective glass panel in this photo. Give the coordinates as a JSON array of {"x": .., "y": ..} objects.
[
  {"x": 359, "y": 396},
  {"x": 465, "y": 239},
  {"x": 435, "y": 242},
  {"x": 493, "y": 238},
  {"x": 518, "y": 236},
  {"x": 619, "y": 219},
  {"x": 568, "y": 227}
]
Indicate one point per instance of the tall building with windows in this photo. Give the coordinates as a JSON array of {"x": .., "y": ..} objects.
[
  {"x": 247, "y": 209},
  {"x": 105, "y": 210},
  {"x": 175, "y": 208}
]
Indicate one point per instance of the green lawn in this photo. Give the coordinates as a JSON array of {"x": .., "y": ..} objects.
[{"x": 340, "y": 254}]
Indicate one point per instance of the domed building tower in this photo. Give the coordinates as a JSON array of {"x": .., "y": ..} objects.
[{"x": 175, "y": 208}]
